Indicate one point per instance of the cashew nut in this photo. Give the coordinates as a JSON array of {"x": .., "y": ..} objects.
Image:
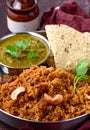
[
  {"x": 87, "y": 96},
  {"x": 16, "y": 92},
  {"x": 54, "y": 101}
]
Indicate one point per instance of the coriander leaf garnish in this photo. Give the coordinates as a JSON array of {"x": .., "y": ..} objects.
[
  {"x": 32, "y": 54},
  {"x": 80, "y": 72},
  {"x": 20, "y": 49},
  {"x": 22, "y": 45},
  {"x": 12, "y": 51},
  {"x": 82, "y": 67}
]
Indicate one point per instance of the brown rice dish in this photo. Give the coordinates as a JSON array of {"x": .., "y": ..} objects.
[{"x": 44, "y": 94}]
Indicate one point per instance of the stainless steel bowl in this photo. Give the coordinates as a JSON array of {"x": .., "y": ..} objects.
[
  {"x": 70, "y": 124},
  {"x": 33, "y": 34}
]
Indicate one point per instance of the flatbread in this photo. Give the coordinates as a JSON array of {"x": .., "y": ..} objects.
[{"x": 68, "y": 45}]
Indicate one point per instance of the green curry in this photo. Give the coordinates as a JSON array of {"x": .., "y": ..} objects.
[{"x": 32, "y": 52}]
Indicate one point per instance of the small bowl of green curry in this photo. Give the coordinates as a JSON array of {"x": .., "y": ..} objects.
[{"x": 22, "y": 50}]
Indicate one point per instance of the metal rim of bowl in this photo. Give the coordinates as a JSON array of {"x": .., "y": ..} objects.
[{"x": 16, "y": 117}]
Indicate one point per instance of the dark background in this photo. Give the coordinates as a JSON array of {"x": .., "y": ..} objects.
[{"x": 43, "y": 5}]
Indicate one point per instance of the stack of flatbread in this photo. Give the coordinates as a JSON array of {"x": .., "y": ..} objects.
[{"x": 68, "y": 45}]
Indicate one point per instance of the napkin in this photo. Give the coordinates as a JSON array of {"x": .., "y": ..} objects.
[
  {"x": 25, "y": 129},
  {"x": 69, "y": 13},
  {"x": 85, "y": 126}
]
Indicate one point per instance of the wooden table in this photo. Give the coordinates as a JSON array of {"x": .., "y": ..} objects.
[{"x": 43, "y": 5}]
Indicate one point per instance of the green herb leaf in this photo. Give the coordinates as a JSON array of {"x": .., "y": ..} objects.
[
  {"x": 22, "y": 45},
  {"x": 84, "y": 77},
  {"x": 12, "y": 51},
  {"x": 16, "y": 50},
  {"x": 82, "y": 68},
  {"x": 18, "y": 44},
  {"x": 75, "y": 82},
  {"x": 80, "y": 72},
  {"x": 31, "y": 55}
]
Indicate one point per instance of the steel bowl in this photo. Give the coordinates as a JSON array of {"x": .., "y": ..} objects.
[
  {"x": 16, "y": 122},
  {"x": 33, "y": 34}
]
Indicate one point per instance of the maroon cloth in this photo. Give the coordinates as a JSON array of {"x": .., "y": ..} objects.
[
  {"x": 85, "y": 126},
  {"x": 25, "y": 129},
  {"x": 70, "y": 13}
]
